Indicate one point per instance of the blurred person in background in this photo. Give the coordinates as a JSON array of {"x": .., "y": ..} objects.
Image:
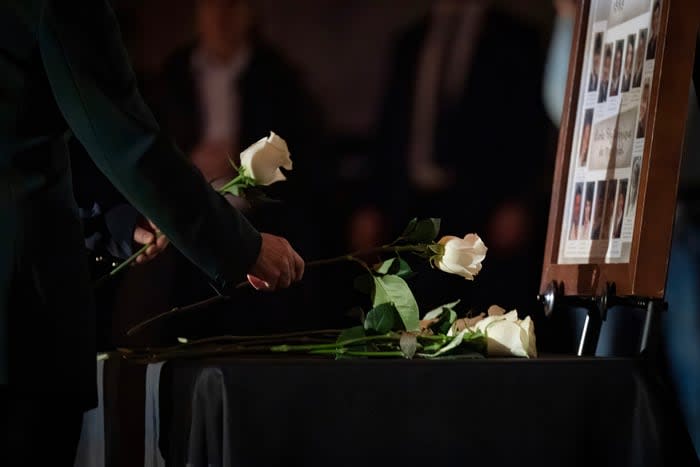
[
  {"x": 681, "y": 325},
  {"x": 462, "y": 136}
]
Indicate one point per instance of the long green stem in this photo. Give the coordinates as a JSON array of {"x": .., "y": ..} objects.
[
  {"x": 359, "y": 353},
  {"x": 334, "y": 345},
  {"x": 131, "y": 258},
  {"x": 313, "y": 332},
  {"x": 391, "y": 336},
  {"x": 177, "y": 310},
  {"x": 370, "y": 251},
  {"x": 356, "y": 255},
  {"x": 127, "y": 261}
]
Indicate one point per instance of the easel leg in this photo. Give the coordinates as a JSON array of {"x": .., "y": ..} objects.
[
  {"x": 652, "y": 326},
  {"x": 590, "y": 334}
]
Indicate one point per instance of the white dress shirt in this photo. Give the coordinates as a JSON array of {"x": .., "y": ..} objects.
[{"x": 219, "y": 99}]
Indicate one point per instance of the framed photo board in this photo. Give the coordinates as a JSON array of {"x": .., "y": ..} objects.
[{"x": 620, "y": 145}]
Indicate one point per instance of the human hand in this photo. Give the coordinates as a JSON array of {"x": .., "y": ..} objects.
[
  {"x": 212, "y": 159},
  {"x": 277, "y": 266},
  {"x": 146, "y": 233}
]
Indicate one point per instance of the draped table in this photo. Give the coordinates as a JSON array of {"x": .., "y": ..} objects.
[{"x": 293, "y": 410}]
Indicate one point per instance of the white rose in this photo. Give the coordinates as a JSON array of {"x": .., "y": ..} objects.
[
  {"x": 461, "y": 256},
  {"x": 262, "y": 160},
  {"x": 506, "y": 335}
]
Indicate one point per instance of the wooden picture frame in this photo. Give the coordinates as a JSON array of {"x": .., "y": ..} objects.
[{"x": 587, "y": 257}]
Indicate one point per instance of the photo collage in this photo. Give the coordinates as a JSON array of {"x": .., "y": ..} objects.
[{"x": 609, "y": 132}]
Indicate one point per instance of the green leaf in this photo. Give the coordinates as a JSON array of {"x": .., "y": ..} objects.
[
  {"x": 401, "y": 268},
  {"x": 409, "y": 228},
  {"x": 423, "y": 231},
  {"x": 436, "y": 312},
  {"x": 364, "y": 283},
  {"x": 395, "y": 266},
  {"x": 235, "y": 190},
  {"x": 381, "y": 318},
  {"x": 408, "y": 343},
  {"x": 393, "y": 289},
  {"x": 386, "y": 266},
  {"x": 446, "y": 324},
  {"x": 354, "y": 332},
  {"x": 445, "y": 315}
]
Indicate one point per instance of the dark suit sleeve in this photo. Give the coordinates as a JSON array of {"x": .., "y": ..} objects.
[
  {"x": 108, "y": 220},
  {"x": 95, "y": 88}
]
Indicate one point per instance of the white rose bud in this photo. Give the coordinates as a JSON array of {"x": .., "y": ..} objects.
[
  {"x": 262, "y": 160},
  {"x": 506, "y": 335},
  {"x": 461, "y": 256}
]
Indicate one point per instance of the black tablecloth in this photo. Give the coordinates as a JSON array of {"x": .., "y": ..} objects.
[{"x": 551, "y": 411}]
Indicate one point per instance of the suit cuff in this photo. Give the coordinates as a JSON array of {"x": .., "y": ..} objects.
[{"x": 121, "y": 222}]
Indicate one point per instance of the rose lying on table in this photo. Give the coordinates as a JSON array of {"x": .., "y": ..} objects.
[{"x": 506, "y": 335}]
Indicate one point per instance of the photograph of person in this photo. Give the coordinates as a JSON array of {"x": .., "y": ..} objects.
[
  {"x": 609, "y": 209},
  {"x": 629, "y": 60},
  {"x": 654, "y": 30},
  {"x": 598, "y": 208},
  {"x": 617, "y": 68},
  {"x": 639, "y": 59},
  {"x": 620, "y": 208},
  {"x": 594, "y": 76},
  {"x": 584, "y": 232},
  {"x": 605, "y": 81},
  {"x": 576, "y": 212},
  {"x": 634, "y": 183},
  {"x": 643, "y": 105},
  {"x": 585, "y": 138}
]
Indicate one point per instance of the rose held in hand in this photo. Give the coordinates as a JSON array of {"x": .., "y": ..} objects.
[
  {"x": 262, "y": 160},
  {"x": 461, "y": 256}
]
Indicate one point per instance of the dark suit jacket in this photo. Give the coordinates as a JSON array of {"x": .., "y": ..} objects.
[{"x": 63, "y": 67}]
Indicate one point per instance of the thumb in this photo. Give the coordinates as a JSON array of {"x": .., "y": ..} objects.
[{"x": 142, "y": 236}]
